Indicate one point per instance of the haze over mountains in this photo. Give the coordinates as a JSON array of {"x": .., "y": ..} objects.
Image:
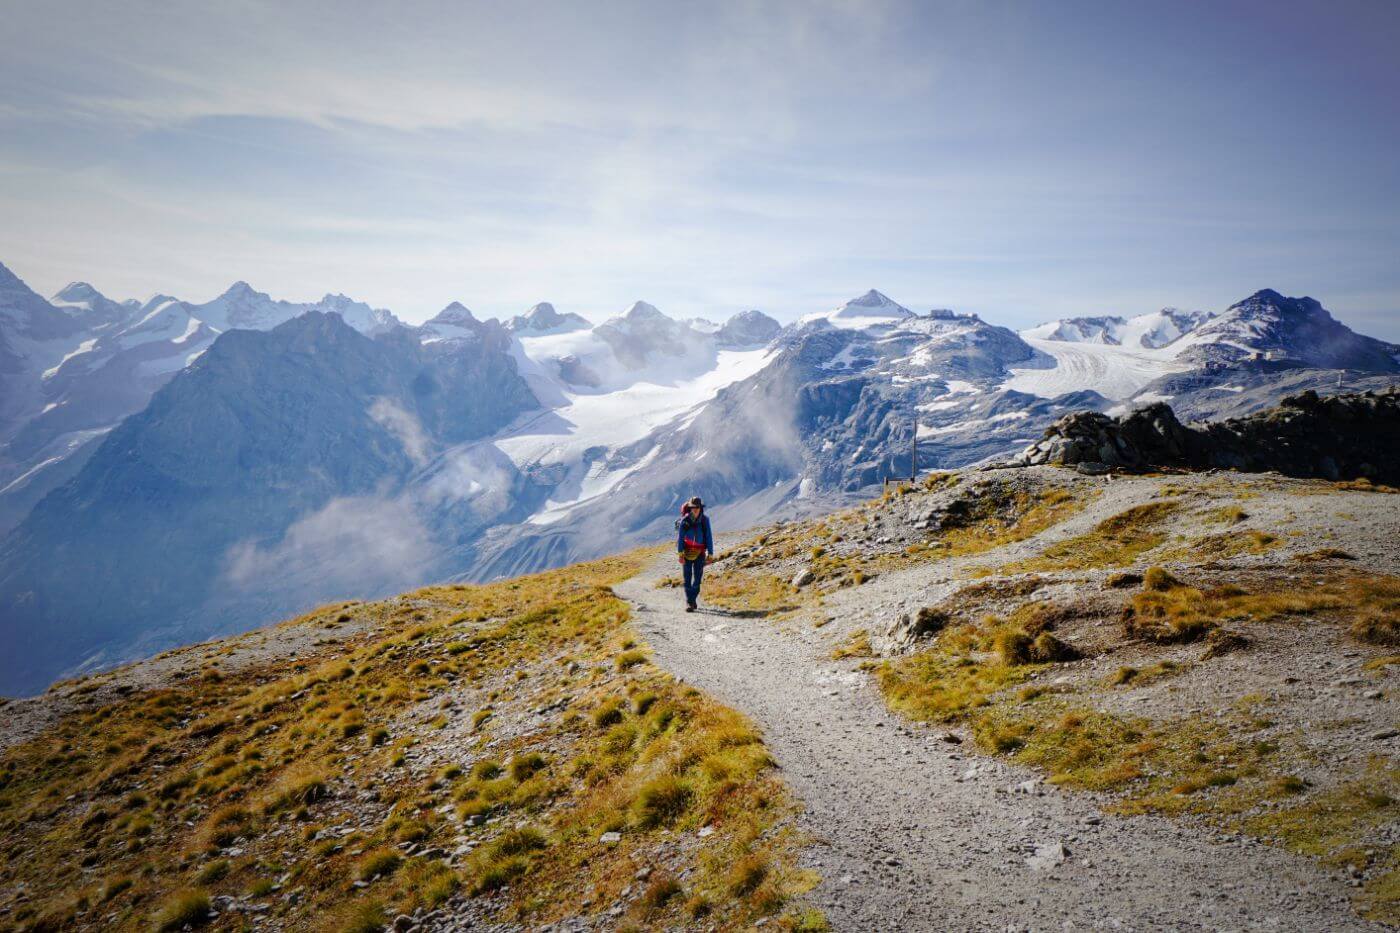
[{"x": 171, "y": 471}]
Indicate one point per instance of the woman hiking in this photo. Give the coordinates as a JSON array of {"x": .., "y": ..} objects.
[{"x": 693, "y": 544}]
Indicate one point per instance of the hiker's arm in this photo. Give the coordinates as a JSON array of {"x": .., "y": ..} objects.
[{"x": 709, "y": 538}]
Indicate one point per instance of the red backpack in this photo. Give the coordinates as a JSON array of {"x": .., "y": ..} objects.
[{"x": 694, "y": 535}]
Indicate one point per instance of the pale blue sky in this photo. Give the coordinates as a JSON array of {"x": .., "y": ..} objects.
[{"x": 1022, "y": 160}]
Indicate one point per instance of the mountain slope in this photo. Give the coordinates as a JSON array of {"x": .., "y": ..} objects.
[
  {"x": 72, "y": 368},
  {"x": 194, "y": 498},
  {"x": 1270, "y": 325},
  {"x": 483, "y": 757}
]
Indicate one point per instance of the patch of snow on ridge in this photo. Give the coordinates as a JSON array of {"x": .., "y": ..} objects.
[
  {"x": 848, "y": 355},
  {"x": 958, "y": 426},
  {"x": 84, "y": 347},
  {"x": 1150, "y": 331},
  {"x": 581, "y": 424},
  {"x": 597, "y": 481},
  {"x": 1115, "y": 372}
]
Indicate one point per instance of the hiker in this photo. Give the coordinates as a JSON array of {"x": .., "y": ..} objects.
[{"x": 693, "y": 544}]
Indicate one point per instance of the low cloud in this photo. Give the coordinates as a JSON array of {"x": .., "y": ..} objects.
[
  {"x": 354, "y": 544},
  {"x": 478, "y": 473},
  {"x": 401, "y": 423}
]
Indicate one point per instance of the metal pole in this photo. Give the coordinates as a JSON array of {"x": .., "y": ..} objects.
[{"x": 914, "y": 446}]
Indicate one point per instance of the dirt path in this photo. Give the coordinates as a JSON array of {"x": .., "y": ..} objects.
[{"x": 918, "y": 835}]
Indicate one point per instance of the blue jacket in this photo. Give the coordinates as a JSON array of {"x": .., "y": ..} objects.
[{"x": 682, "y": 528}]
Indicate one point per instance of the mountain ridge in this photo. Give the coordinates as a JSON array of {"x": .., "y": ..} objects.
[{"x": 611, "y": 424}]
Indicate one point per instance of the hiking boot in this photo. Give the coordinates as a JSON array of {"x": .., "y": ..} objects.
[{"x": 689, "y": 607}]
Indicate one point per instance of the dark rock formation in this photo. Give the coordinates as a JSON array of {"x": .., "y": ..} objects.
[{"x": 1340, "y": 437}]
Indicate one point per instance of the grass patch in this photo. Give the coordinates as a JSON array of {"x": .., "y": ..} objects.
[
  {"x": 1344, "y": 826},
  {"x": 266, "y": 753},
  {"x": 760, "y": 593},
  {"x": 1226, "y": 515},
  {"x": 999, "y": 516},
  {"x": 1368, "y": 604},
  {"x": 856, "y": 645},
  {"x": 1114, "y": 542},
  {"x": 1139, "y": 677},
  {"x": 661, "y": 802},
  {"x": 629, "y": 659},
  {"x": 946, "y": 682},
  {"x": 185, "y": 908},
  {"x": 1324, "y": 554},
  {"x": 1223, "y": 546}
]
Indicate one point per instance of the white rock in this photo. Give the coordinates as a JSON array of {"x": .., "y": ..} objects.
[{"x": 1047, "y": 855}]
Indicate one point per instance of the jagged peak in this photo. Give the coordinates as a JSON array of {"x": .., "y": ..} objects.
[
  {"x": 871, "y": 298},
  {"x": 752, "y": 314},
  {"x": 641, "y": 310},
  {"x": 313, "y": 322},
  {"x": 241, "y": 290},
  {"x": 455, "y": 313},
  {"x": 873, "y": 304},
  {"x": 156, "y": 301},
  {"x": 76, "y": 291},
  {"x": 1267, "y": 297}
]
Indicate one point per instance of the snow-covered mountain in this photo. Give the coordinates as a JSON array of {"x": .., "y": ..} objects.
[
  {"x": 72, "y": 367},
  {"x": 1267, "y": 325},
  {"x": 1150, "y": 331},
  {"x": 542, "y": 319},
  {"x": 745, "y": 330},
  {"x": 1123, "y": 358},
  {"x": 467, "y": 448}
]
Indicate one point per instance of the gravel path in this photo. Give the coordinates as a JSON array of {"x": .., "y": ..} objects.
[{"x": 915, "y": 834}]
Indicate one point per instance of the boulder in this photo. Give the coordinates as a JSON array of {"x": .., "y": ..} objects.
[{"x": 906, "y": 629}]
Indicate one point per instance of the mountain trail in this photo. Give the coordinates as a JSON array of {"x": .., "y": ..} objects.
[{"x": 914, "y": 833}]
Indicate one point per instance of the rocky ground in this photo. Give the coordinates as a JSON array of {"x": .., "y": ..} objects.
[{"x": 921, "y": 830}]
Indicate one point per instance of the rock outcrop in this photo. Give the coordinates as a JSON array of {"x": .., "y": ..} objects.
[{"x": 1335, "y": 438}]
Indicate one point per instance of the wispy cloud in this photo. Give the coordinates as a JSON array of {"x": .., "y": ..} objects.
[
  {"x": 406, "y": 428},
  {"x": 1010, "y": 159},
  {"x": 352, "y": 544}
]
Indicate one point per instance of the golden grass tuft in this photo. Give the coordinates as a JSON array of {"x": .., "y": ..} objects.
[
  {"x": 1227, "y": 515},
  {"x": 298, "y": 786},
  {"x": 1324, "y": 554},
  {"x": 661, "y": 801},
  {"x": 629, "y": 659},
  {"x": 184, "y": 908},
  {"x": 857, "y": 645}
]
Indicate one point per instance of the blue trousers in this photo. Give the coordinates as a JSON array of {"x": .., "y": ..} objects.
[{"x": 692, "y": 571}]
